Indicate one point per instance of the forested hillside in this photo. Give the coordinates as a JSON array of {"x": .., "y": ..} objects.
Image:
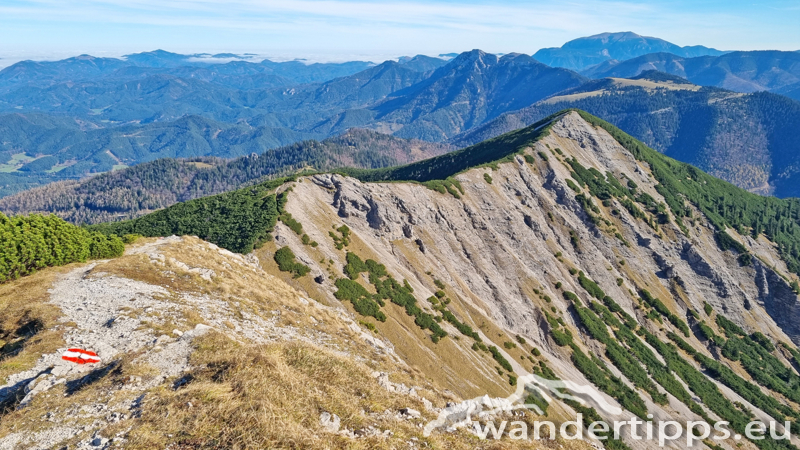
[
  {"x": 791, "y": 91},
  {"x": 737, "y": 71},
  {"x": 440, "y": 169},
  {"x": 238, "y": 221},
  {"x": 749, "y": 140},
  {"x": 112, "y": 115},
  {"x": 37, "y": 149},
  {"x": 136, "y": 190}
]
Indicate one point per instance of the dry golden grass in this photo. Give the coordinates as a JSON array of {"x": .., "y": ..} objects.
[
  {"x": 450, "y": 364},
  {"x": 271, "y": 396},
  {"x": 25, "y": 302},
  {"x": 242, "y": 395},
  {"x": 67, "y": 401}
]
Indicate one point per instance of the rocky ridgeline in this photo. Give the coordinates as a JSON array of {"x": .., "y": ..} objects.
[
  {"x": 503, "y": 259},
  {"x": 510, "y": 243}
]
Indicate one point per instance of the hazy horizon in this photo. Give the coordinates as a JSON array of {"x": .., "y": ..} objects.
[
  {"x": 339, "y": 30},
  {"x": 8, "y": 60}
]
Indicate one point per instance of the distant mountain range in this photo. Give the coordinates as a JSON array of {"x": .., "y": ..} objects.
[
  {"x": 750, "y": 140},
  {"x": 469, "y": 90},
  {"x": 64, "y": 120},
  {"x": 491, "y": 85},
  {"x": 737, "y": 71},
  {"x": 166, "y": 96},
  {"x": 70, "y": 129},
  {"x": 585, "y": 52},
  {"x": 203, "y": 66}
]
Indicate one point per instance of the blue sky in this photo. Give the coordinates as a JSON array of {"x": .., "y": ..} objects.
[{"x": 348, "y": 29}]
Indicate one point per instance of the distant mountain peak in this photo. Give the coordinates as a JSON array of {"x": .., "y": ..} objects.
[
  {"x": 518, "y": 58},
  {"x": 422, "y": 63},
  {"x": 471, "y": 55},
  {"x": 606, "y": 38},
  {"x": 157, "y": 58},
  {"x": 579, "y": 54},
  {"x": 741, "y": 71},
  {"x": 477, "y": 57},
  {"x": 158, "y": 52}
]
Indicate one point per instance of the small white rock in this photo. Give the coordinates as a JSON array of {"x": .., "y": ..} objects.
[
  {"x": 412, "y": 413},
  {"x": 330, "y": 422}
]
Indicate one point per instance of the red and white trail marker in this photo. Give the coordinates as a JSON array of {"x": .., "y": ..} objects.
[{"x": 80, "y": 356}]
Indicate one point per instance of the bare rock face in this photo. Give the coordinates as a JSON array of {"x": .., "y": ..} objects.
[
  {"x": 778, "y": 298},
  {"x": 524, "y": 231},
  {"x": 499, "y": 236}
]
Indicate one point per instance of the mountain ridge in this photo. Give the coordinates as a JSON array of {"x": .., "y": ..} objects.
[
  {"x": 474, "y": 78},
  {"x": 739, "y": 71},
  {"x": 746, "y": 139},
  {"x": 90, "y": 67},
  {"x": 136, "y": 190}
]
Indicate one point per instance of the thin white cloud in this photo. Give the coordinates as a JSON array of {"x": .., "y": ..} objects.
[
  {"x": 402, "y": 25},
  {"x": 260, "y": 13}
]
